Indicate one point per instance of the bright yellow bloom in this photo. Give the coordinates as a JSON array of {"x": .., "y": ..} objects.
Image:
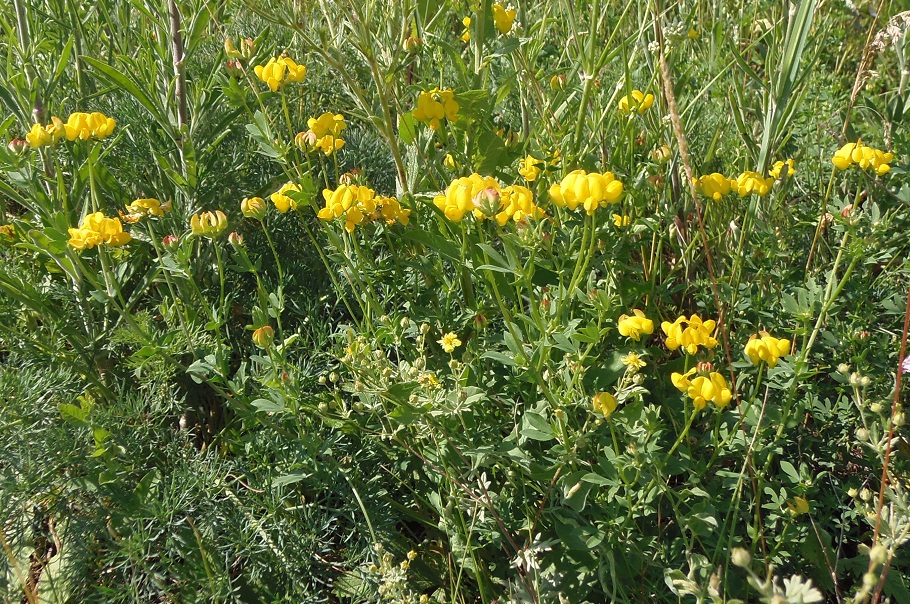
[
  {"x": 326, "y": 124},
  {"x": 449, "y": 342},
  {"x": 448, "y": 161},
  {"x": 95, "y": 230},
  {"x": 863, "y": 156},
  {"x": 635, "y": 326},
  {"x": 752, "y": 182},
  {"x": 391, "y": 211},
  {"x": 355, "y": 202},
  {"x": 466, "y": 34},
  {"x": 621, "y": 221},
  {"x": 280, "y": 71},
  {"x": 633, "y": 361},
  {"x": 140, "y": 208},
  {"x": 208, "y": 224},
  {"x": 458, "y": 198},
  {"x": 689, "y": 333},
  {"x": 44, "y": 136},
  {"x": 714, "y": 186},
  {"x": 767, "y": 348},
  {"x": 88, "y": 125},
  {"x": 778, "y": 168},
  {"x": 591, "y": 190},
  {"x": 604, "y": 403},
  {"x": 264, "y": 336},
  {"x": 503, "y": 19},
  {"x": 702, "y": 389},
  {"x": 529, "y": 168},
  {"x": 517, "y": 203},
  {"x": 253, "y": 207},
  {"x": 637, "y": 101},
  {"x": 435, "y": 105},
  {"x": 282, "y": 200}
]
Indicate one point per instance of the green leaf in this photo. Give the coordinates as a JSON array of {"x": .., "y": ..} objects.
[
  {"x": 74, "y": 414},
  {"x": 536, "y": 427}
]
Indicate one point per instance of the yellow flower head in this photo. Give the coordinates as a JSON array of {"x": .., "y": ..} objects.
[
  {"x": 280, "y": 71},
  {"x": 449, "y": 342},
  {"x": 517, "y": 203},
  {"x": 435, "y": 105},
  {"x": 604, "y": 403},
  {"x": 95, "y": 230},
  {"x": 503, "y": 19},
  {"x": 702, "y": 389},
  {"x": 88, "y": 125},
  {"x": 529, "y": 169},
  {"x": 264, "y": 336},
  {"x": 633, "y": 361},
  {"x": 621, "y": 220},
  {"x": 327, "y": 124},
  {"x": 689, "y": 333},
  {"x": 714, "y": 186},
  {"x": 637, "y": 101},
  {"x": 146, "y": 207},
  {"x": 863, "y": 156},
  {"x": 356, "y": 203},
  {"x": 458, "y": 198},
  {"x": 253, "y": 207},
  {"x": 765, "y": 347},
  {"x": 590, "y": 190},
  {"x": 636, "y": 326},
  {"x": 752, "y": 182},
  {"x": 799, "y": 506},
  {"x": 44, "y": 136},
  {"x": 778, "y": 168},
  {"x": 282, "y": 200},
  {"x": 208, "y": 224}
]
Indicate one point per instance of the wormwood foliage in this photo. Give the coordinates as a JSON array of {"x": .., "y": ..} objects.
[{"x": 453, "y": 301}]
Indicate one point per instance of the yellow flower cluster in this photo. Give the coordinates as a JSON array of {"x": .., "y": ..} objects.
[
  {"x": 604, "y": 403},
  {"x": 636, "y": 326},
  {"x": 282, "y": 200},
  {"x": 359, "y": 204},
  {"x": 487, "y": 199},
  {"x": 689, "y": 333},
  {"x": 530, "y": 166},
  {"x": 45, "y": 136},
  {"x": 863, "y": 156},
  {"x": 435, "y": 105},
  {"x": 767, "y": 348},
  {"x": 280, "y": 71},
  {"x": 716, "y": 185},
  {"x": 466, "y": 34},
  {"x": 637, "y": 101},
  {"x": 752, "y": 182},
  {"x": 778, "y": 168},
  {"x": 702, "y": 389},
  {"x": 621, "y": 220},
  {"x": 89, "y": 125},
  {"x": 324, "y": 133},
  {"x": 141, "y": 208},
  {"x": 95, "y": 230},
  {"x": 503, "y": 18},
  {"x": 590, "y": 190},
  {"x": 208, "y": 224}
]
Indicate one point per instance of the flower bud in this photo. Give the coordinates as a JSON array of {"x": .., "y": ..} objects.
[
  {"x": 662, "y": 154},
  {"x": 333, "y": 377},
  {"x": 305, "y": 141},
  {"x": 247, "y": 48},
  {"x": 899, "y": 419},
  {"x": 865, "y": 494},
  {"x": 852, "y": 493},
  {"x": 862, "y": 434},
  {"x": 170, "y": 242},
  {"x": 855, "y": 379},
  {"x": 412, "y": 44},
  {"x": 487, "y": 201},
  {"x": 264, "y": 336},
  {"x": 878, "y": 554},
  {"x": 875, "y": 408},
  {"x": 741, "y": 557},
  {"x": 404, "y": 323},
  {"x": 234, "y": 68},
  {"x": 558, "y": 82},
  {"x": 236, "y": 240},
  {"x": 230, "y": 50},
  {"x": 253, "y": 207},
  {"x": 865, "y": 381},
  {"x": 843, "y": 368},
  {"x": 18, "y": 146}
]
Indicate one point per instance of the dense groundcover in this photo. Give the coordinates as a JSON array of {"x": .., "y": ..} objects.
[{"x": 454, "y": 301}]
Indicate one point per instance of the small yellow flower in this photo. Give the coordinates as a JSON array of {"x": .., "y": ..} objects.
[
  {"x": 95, "y": 230},
  {"x": 88, "y": 125},
  {"x": 621, "y": 220},
  {"x": 689, "y": 333},
  {"x": 517, "y": 203},
  {"x": 280, "y": 71},
  {"x": 863, "y": 156},
  {"x": 633, "y": 361},
  {"x": 282, "y": 200},
  {"x": 799, "y": 506},
  {"x": 435, "y": 105},
  {"x": 253, "y": 207},
  {"x": 466, "y": 34},
  {"x": 208, "y": 224},
  {"x": 590, "y": 190},
  {"x": 693, "y": 34},
  {"x": 637, "y": 101},
  {"x": 44, "y": 136},
  {"x": 635, "y": 326},
  {"x": 503, "y": 19},
  {"x": 140, "y": 208},
  {"x": 604, "y": 403},
  {"x": 702, "y": 389},
  {"x": 449, "y": 342},
  {"x": 764, "y": 347},
  {"x": 529, "y": 168},
  {"x": 778, "y": 167},
  {"x": 264, "y": 336},
  {"x": 714, "y": 186},
  {"x": 752, "y": 182}
]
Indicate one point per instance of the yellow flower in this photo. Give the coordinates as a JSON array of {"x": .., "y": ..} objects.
[
  {"x": 264, "y": 336},
  {"x": 778, "y": 168},
  {"x": 391, "y": 211},
  {"x": 280, "y": 71},
  {"x": 458, "y": 198},
  {"x": 637, "y": 101},
  {"x": 702, "y": 389},
  {"x": 356, "y": 203},
  {"x": 517, "y": 203},
  {"x": 529, "y": 169},
  {"x": 799, "y": 506},
  {"x": 752, "y": 182},
  {"x": 635, "y": 326},
  {"x": 435, "y": 105},
  {"x": 604, "y": 403},
  {"x": 662, "y": 154},
  {"x": 633, "y": 361},
  {"x": 88, "y": 125},
  {"x": 714, "y": 185},
  {"x": 282, "y": 200},
  {"x": 146, "y": 207},
  {"x": 765, "y": 347},
  {"x": 621, "y": 221},
  {"x": 693, "y": 34},
  {"x": 689, "y": 333},
  {"x": 503, "y": 19},
  {"x": 450, "y": 342},
  {"x": 863, "y": 156},
  {"x": 95, "y": 230},
  {"x": 327, "y": 124},
  {"x": 253, "y": 207},
  {"x": 44, "y": 136},
  {"x": 591, "y": 190},
  {"x": 466, "y": 34},
  {"x": 448, "y": 161},
  {"x": 208, "y": 224}
]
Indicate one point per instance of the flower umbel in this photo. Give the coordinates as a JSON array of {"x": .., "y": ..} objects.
[
  {"x": 636, "y": 326},
  {"x": 208, "y": 224},
  {"x": 280, "y": 71},
  {"x": 435, "y": 105},
  {"x": 767, "y": 348},
  {"x": 689, "y": 333}
]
